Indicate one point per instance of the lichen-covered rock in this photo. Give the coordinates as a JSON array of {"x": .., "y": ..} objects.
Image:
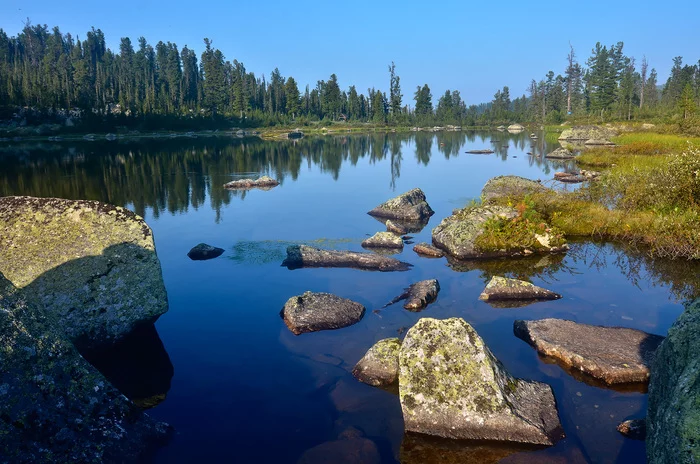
[
  {"x": 614, "y": 355},
  {"x": 312, "y": 312},
  {"x": 426, "y": 249},
  {"x": 510, "y": 187},
  {"x": 450, "y": 385},
  {"x": 264, "y": 183},
  {"x": 395, "y": 228},
  {"x": 502, "y": 288},
  {"x": 635, "y": 429},
  {"x": 560, "y": 153},
  {"x": 458, "y": 234},
  {"x": 409, "y": 206},
  {"x": 673, "y": 414},
  {"x": 203, "y": 252},
  {"x": 379, "y": 367},
  {"x": 55, "y": 406},
  {"x": 581, "y": 133},
  {"x": 383, "y": 240},
  {"x": 300, "y": 256},
  {"x": 91, "y": 264},
  {"x": 419, "y": 295}
]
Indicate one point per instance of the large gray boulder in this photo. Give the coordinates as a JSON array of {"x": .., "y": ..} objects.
[
  {"x": 510, "y": 187},
  {"x": 673, "y": 415},
  {"x": 92, "y": 265},
  {"x": 582, "y": 133},
  {"x": 451, "y": 385},
  {"x": 409, "y": 206},
  {"x": 55, "y": 406},
  {"x": 379, "y": 367},
  {"x": 614, "y": 355},
  {"x": 311, "y": 312}
]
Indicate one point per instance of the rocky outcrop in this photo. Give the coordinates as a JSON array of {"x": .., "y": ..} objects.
[
  {"x": 203, "y": 252},
  {"x": 383, "y": 240},
  {"x": 300, "y": 256},
  {"x": 502, "y": 288},
  {"x": 379, "y": 367},
  {"x": 395, "y": 228},
  {"x": 635, "y": 429},
  {"x": 55, "y": 406},
  {"x": 613, "y": 355},
  {"x": 426, "y": 249},
  {"x": 581, "y": 133},
  {"x": 450, "y": 385},
  {"x": 419, "y": 295},
  {"x": 673, "y": 415},
  {"x": 510, "y": 187},
  {"x": 312, "y": 312},
  {"x": 457, "y": 235},
  {"x": 560, "y": 153},
  {"x": 264, "y": 183},
  {"x": 409, "y": 206},
  {"x": 91, "y": 265}
]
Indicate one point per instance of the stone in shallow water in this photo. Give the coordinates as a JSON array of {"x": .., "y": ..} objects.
[
  {"x": 636, "y": 429},
  {"x": 614, "y": 355},
  {"x": 300, "y": 256},
  {"x": 383, "y": 240},
  {"x": 560, "y": 153},
  {"x": 264, "y": 183},
  {"x": 348, "y": 449},
  {"x": 419, "y": 295},
  {"x": 379, "y": 367},
  {"x": 409, "y": 206},
  {"x": 502, "y": 288},
  {"x": 510, "y": 187},
  {"x": 395, "y": 228},
  {"x": 426, "y": 249},
  {"x": 451, "y": 385},
  {"x": 312, "y": 312},
  {"x": 203, "y": 252}
]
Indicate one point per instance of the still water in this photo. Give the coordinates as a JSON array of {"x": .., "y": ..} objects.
[{"x": 238, "y": 386}]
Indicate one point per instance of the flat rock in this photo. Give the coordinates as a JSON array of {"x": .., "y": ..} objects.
[
  {"x": 379, "y": 367},
  {"x": 451, "y": 385},
  {"x": 300, "y": 256},
  {"x": 203, "y": 252},
  {"x": 426, "y": 249},
  {"x": 383, "y": 240},
  {"x": 92, "y": 265},
  {"x": 502, "y": 288},
  {"x": 480, "y": 152},
  {"x": 395, "y": 228},
  {"x": 581, "y": 133},
  {"x": 599, "y": 142},
  {"x": 635, "y": 429},
  {"x": 312, "y": 312},
  {"x": 614, "y": 355},
  {"x": 409, "y": 206},
  {"x": 673, "y": 416},
  {"x": 55, "y": 406},
  {"x": 560, "y": 153},
  {"x": 263, "y": 182},
  {"x": 510, "y": 187},
  {"x": 419, "y": 295}
]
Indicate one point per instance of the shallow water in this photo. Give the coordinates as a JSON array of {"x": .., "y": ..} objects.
[{"x": 239, "y": 386}]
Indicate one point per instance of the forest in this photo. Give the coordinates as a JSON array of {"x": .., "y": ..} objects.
[{"x": 57, "y": 74}]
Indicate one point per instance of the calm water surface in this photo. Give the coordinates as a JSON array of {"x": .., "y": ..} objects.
[{"x": 238, "y": 386}]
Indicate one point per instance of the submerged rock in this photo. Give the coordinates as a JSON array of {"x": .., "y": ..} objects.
[
  {"x": 580, "y": 133},
  {"x": 203, "y": 252},
  {"x": 92, "y": 265},
  {"x": 426, "y": 249},
  {"x": 55, "y": 406},
  {"x": 396, "y": 228},
  {"x": 383, "y": 240},
  {"x": 379, "y": 367},
  {"x": 560, "y": 153},
  {"x": 425, "y": 449},
  {"x": 312, "y": 312},
  {"x": 635, "y": 429},
  {"x": 299, "y": 256},
  {"x": 502, "y": 288},
  {"x": 614, "y": 355},
  {"x": 510, "y": 187},
  {"x": 450, "y": 385},
  {"x": 345, "y": 450},
  {"x": 673, "y": 415},
  {"x": 418, "y": 295},
  {"x": 263, "y": 182},
  {"x": 409, "y": 206}
]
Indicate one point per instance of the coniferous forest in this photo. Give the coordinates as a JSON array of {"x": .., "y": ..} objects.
[{"x": 54, "y": 72}]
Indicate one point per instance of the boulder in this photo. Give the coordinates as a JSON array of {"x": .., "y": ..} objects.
[
  {"x": 92, "y": 265},
  {"x": 409, "y": 206},
  {"x": 299, "y": 256},
  {"x": 635, "y": 429},
  {"x": 673, "y": 415},
  {"x": 502, "y": 288},
  {"x": 383, "y": 240},
  {"x": 418, "y": 295},
  {"x": 457, "y": 235},
  {"x": 560, "y": 153},
  {"x": 613, "y": 355},
  {"x": 263, "y": 183},
  {"x": 510, "y": 187},
  {"x": 203, "y": 252},
  {"x": 451, "y": 385},
  {"x": 516, "y": 128},
  {"x": 426, "y": 249},
  {"x": 395, "y": 228},
  {"x": 379, "y": 367},
  {"x": 581, "y": 133},
  {"x": 312, "y": 312},
  {"x": 55, "y": 406},
  {"x": 648, "y": 126}
]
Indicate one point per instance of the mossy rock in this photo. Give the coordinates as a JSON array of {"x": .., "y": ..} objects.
[
  {"x": 587, "y": 132},
  {"x": 510, "y": 187},
  {"x": 379, "y": 367}
]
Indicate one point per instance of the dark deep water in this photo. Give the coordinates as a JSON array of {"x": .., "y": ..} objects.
[{"x": 240, "y": 386}]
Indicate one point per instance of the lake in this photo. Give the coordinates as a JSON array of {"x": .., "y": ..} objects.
[{"x": 238, "y": 386}]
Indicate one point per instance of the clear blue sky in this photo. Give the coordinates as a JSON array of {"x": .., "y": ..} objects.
[{"x": 475, "y": 49}]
